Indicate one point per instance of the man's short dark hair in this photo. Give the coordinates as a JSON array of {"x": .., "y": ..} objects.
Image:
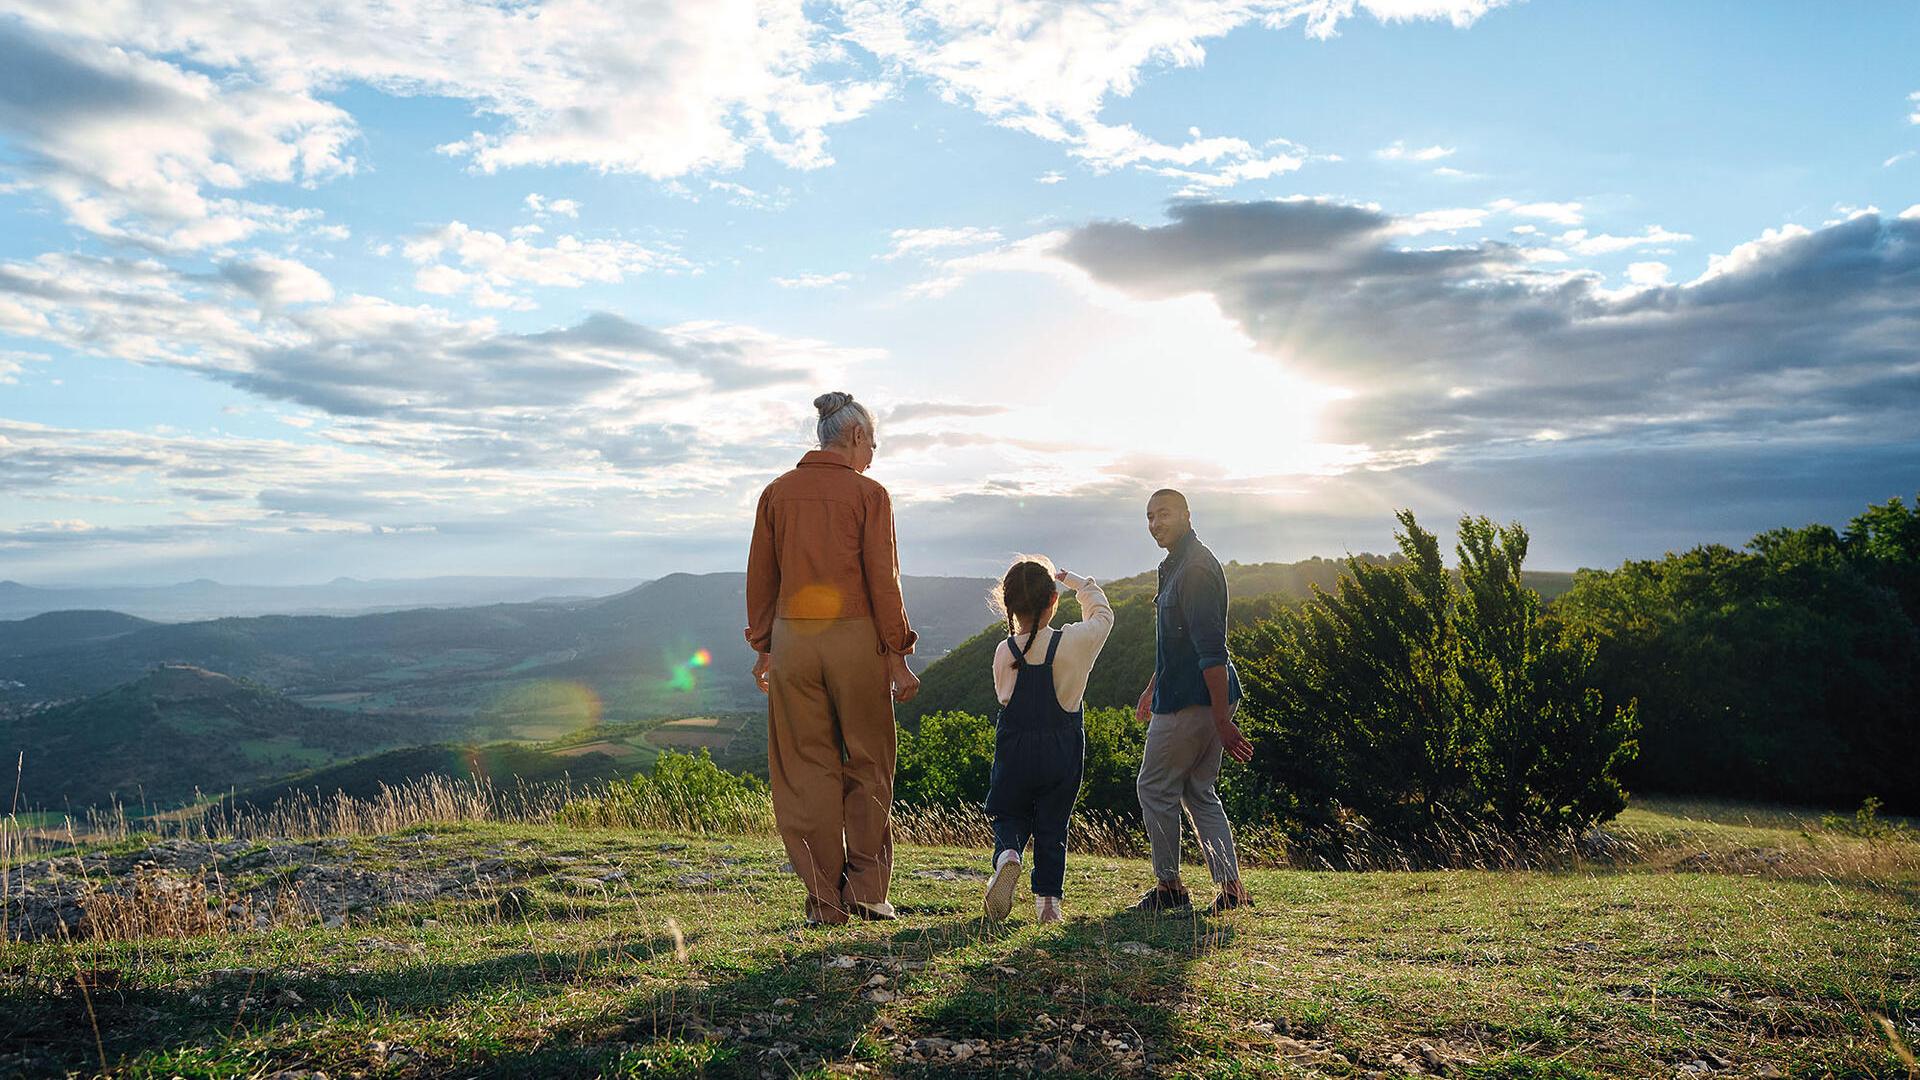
[{"x": 1171, "y": 494}]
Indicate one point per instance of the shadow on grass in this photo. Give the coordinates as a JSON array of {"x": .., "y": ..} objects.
[
  {"x": 1101, "y": 995},
  {"x": 52, "y": 1027}
]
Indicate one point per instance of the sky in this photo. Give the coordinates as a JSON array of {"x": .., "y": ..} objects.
[{"x": 289, "y": 292}]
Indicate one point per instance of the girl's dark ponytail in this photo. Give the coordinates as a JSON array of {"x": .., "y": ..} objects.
[{"x": 1025, "y": 593}]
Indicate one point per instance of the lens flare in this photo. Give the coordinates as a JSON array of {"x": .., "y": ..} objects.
[
  {"x": 682, "y": 677},
  {"x": 547, "y": 708}
]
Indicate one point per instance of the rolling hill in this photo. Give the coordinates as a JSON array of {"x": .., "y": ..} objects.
[
  {"x": 671, "y": 646},
  {"x": 62, "y": 628},
  {"x": 176, "y": 729},
  {"x": 961, "y": 681},
  {"x": 503, "y": 763}
]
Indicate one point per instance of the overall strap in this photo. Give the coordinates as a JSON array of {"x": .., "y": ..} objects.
[
  {"x": 1053, "y": 647},
  {"x": 1020, "y": 655}
]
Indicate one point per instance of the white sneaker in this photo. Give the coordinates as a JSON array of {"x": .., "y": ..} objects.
[
  {"x": 1006, "y": 874},
  {"x": 1047, "y": 909}
]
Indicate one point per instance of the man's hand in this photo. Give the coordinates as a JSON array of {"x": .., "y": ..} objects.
[
  {"x": 762, "y": 665},
  {"x": 905, "y": 682},
  {"x": 1143, "y": 709},
  {"x": 1236, "y": 744}
]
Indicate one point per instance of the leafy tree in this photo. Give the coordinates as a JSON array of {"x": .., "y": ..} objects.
[
  {"x": 1790, "y": 670},
  {"x": 1421, "y": 700},
  {"x": 947, "y": 762}
]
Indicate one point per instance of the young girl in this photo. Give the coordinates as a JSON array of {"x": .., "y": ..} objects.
[{"x": 1039, "y": 746}]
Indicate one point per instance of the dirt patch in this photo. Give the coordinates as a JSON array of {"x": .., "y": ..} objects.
[
  {"x": 306, "y": 880},
  {"x": 713, "y": 732},
  {"x": 611, "y": 749},
  {"x": 664, "y": 739}
]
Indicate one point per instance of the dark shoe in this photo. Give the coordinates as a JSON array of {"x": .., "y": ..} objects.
[
  {"x": 1226, "y": 902},
  {"x": 1158, "y": 899}
]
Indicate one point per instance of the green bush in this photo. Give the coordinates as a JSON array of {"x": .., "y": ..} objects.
[
  {"x": 1789, "y": 670},
  {"x": 1425, "y": 702},
  {"x": 687, "y": 792},
  {"x": 949, "y": 762}
]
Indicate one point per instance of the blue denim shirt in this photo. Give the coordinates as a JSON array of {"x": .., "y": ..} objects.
[{"x": 1190, "y": 627}]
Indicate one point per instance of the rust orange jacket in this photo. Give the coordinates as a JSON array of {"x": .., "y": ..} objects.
[{"x": 823, "y": 548}]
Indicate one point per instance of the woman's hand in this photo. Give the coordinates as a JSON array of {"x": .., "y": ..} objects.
[
  {"x": 905, "y": 683},
  {"x": 762, "y": 666}
]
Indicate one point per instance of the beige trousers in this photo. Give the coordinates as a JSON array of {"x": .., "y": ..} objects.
[{"x": 830, "y": 757}]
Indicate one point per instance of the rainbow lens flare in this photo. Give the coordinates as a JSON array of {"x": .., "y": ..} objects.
[{"x": 682, "y": 677}]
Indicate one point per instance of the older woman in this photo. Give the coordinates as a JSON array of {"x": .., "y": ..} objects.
[{"x": 825, "y": 614}]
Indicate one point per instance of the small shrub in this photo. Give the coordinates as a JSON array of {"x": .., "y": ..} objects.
[
  {"x": 1867, "y": 823},
  {"x": 683, "y": 791}
]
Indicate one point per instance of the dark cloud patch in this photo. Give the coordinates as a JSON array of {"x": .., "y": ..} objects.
[
  {"x": 400, "y": 365},
  {"x": 44, "y": 85},
  {"x": 1800, "y": 334}
]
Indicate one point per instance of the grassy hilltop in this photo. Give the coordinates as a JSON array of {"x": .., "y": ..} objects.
[{"x": 1726, "y": 942}]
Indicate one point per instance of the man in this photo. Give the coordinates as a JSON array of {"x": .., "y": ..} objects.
[{"x": 1188, "y": 707}]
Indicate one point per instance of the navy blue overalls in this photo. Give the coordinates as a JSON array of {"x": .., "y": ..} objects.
[{"x": 1039, "y": 752}]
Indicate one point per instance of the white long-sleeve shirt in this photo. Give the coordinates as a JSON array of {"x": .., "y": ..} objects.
[{"x": 1080, "y": 645}]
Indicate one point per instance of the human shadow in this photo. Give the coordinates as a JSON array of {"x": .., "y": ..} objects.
[
  {"x": 52, "y": 1023},
  {"x": 1100, "y": 995}
]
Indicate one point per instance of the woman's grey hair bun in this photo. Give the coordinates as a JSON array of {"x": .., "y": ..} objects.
[{"x": 839, "y": 415}]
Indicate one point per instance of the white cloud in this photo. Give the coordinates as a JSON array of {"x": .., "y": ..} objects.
[
  {"x": 1896, "y": 159},
  {"x": 1050, "y": 177},
  {"x": 1399, "y": 151},
  {"x": 490, "y": 263},
  {"x": 658, "y": 88},
  {"x": 921, "y": 241},
  {"x": 1914, "y": 116},
  {"x": 1050, "y": 69},
  {"x": 1559, "y": 213},
  {"x": 545, "y": 207},
  {"x": 275, "y": 281},
  {"x": 1452, "y": 219},
  {"x": 134, "y": 148},
  {"x": 1581, "y": 242},
  {"x": 12, "y": 363},
  {"x": 813, "y": 281},
  {"x": 1648, "y": 275}
]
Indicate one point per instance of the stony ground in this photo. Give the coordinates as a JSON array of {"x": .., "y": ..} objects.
[{"x": 519, "y": 950}]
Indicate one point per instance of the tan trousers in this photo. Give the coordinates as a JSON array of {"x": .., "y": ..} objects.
[{"x": 830, "y": 756}]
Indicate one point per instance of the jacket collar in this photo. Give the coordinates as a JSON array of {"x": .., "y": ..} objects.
[
  {"x": 825, "y": 457},
  {"x": 1179, "y": 549}
]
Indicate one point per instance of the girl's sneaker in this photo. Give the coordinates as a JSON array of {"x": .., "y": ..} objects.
[
  {"x": 1006, "y": 874},
  {"x": 1047, "y": 909}
]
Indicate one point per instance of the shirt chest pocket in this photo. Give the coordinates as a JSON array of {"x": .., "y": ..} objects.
[{"x": 1167, "y": 611}]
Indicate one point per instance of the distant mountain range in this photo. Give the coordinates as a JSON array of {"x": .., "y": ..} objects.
[
  {"x": 205, "y": 599},
  {"x": 337, "y": 687},
  {"x": 531, "y": 671},
  {"x": 104, "y": 703}
]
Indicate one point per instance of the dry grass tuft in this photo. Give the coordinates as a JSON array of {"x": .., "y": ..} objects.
[{"x": 158, "y": 904}]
